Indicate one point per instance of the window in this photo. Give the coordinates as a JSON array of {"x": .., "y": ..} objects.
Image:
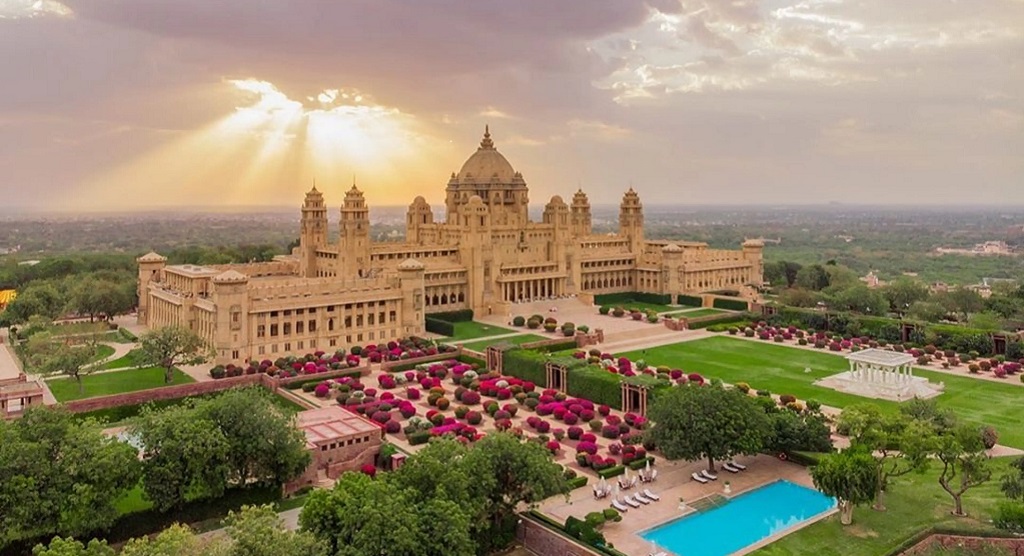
[
  {"x": 273, "y": 348},
  {"x": 369, "y": 319},
  {"x": 300, "y": 346},
  {"x": 392, "y": 316},
  {"x": 333, "y": 342},
  {"x": 359, "y": 337},
  {"x": 298, "y": 327},
  {"x": 312, "y": 310},
  {"x": 348, "y": 322},
  {"x": 330, "y": 324},
  {"x": 273, "y": 330},
  {"x": 380, "y": 318},
  {"x": 287, "y": 346},
  {"x": 359, "y": 320},
  {"x": 371, "y": 336},
  {"x": 287, "y": 329},
  {"x": 236, "y": 317},
  {"x": 299, "y": 311},
  {"x": 261, "y": 350},
  {"x": 288, "y": 313},
  {"x": 312, "y": 343},
  {"x": 323, "y": 448},
  {"x": 234, "y": 354},
  {"x": 273, "y": 313},
  {"x": 330, "y": 308},
  {"x": 261, "y": 330},
  {"x": 312, "y": 326}
]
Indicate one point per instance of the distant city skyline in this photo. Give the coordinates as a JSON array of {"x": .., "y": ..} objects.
[{"x": 142, "y": 104}]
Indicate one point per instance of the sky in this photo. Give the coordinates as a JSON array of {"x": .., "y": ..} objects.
[{"x": 144, "y": 104}]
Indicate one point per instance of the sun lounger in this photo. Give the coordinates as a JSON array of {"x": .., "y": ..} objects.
[
  {"x": 699, "y": 478},
  {"x": 639, "y": 497},
  {"x": 629, "y": 500},
  {"x": 651, "y": 495},
  {"x": 618, "y": 506},
  {"x": 738, "y": 466},
  {"x": 728, "y": 467},
  {"x": 709, "y": 475}
]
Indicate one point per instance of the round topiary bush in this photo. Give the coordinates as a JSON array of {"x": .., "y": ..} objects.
[
  {"x": 604, "y": 310},
  {"x": 519, "y": 320}
]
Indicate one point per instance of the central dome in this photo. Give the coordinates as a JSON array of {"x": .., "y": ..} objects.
[{"x": 487, "y": 165}]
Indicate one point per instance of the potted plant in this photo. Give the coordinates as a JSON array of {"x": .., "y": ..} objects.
[{"x": 728, "y": 487}]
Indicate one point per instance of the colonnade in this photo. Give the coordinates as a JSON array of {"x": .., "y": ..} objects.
[{"x": 540, "y": 288}]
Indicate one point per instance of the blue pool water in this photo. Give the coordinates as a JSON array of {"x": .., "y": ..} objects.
[{"x": 742, "y": 521}]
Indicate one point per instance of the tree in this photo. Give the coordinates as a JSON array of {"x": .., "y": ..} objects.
[
  {"x": 899, "y": 444},
  {"x": 849, "y": 476},
  {"x": 49, "y": 356},
  {"x": 928, "y": 411},
  {"x": 361, "y": 516},
  {"x": 259, "y": 531},
  {"x": 60, "y": 475},
  {"x": 709, "y": 422},
  {"x": 93, "y": 296},
  {"x": 264, "y": 446},
  {"x": 813, "y": 277},
  {"x": 40, "y": 298},
  {"x": 184, "y": 458},
  {"x": 791, "y": 431},
  {"x": 985, "y": 321},
  {"x": 861, "y": 299},
  {"x": 962, "y": 302},
  {"x": 171, "y": 346},
  {"x": 1012, "y": 483},
  {"x": 176, "y": 540},
  {"x": 903, "y": 292},
  {"x": 799, "y": 297},
  {"x": 964, "y": 463},
  {"x": 509, "y": 472},
  {"x": 928, "y": 311},
  {"x": 71, "y": 547}
]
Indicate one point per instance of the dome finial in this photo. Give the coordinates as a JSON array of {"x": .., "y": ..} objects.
[{"x": 486, "y": 142}]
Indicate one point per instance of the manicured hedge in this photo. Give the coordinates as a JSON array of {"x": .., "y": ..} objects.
[
  {"x": 463, "y": 315},
  {"x": 613, "y": 471},
  {"x": 560, "y": 346},
  {"x": 807, "y": 459},
  {"x": 595, "y": 384},
  {"x": 730, "y": 304},
  {"x": 577, "y": 482},
  {"x": 437, "y": 326},
  {"x": 641, "y": 463},
  {"x": 625, "y": 297},
  {"x": 689, "y": 300},
  {"x": 725, "y": 318},
  {"x": 314, "y": 379},
  {"x": 526, "y": 364},
  {"x": 419, "y": 437}
]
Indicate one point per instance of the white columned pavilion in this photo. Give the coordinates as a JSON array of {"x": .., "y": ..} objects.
[{"x": 881, "y": 366}]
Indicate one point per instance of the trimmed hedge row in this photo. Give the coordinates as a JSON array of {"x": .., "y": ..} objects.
[
  {"x": 944, "y": 336},
  {"x": 297, "y": 384},
  {"x": 613, "y": 471},
  {"x": 641, "y": 463},
  {"x": 527, "y": 365},
  {"x": 577, "y": 482},
  {"x": 727, "y": 318},
  {"x": 689, "y": 300},
  {"x": 730, "y": 304},
  {"x": 625, "y": 297},
  {"x": 553, "y": 347},
  {"x": 438, "y": 326},
  {"x": 462, "y": 315}
]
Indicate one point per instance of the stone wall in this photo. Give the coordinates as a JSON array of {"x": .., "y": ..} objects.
[
  {"x": 1013, "y": 546},
  {"x": 169, "y": 392},
  {"x": 386, "y": 366},
  {"x": 543, "y": 540}
]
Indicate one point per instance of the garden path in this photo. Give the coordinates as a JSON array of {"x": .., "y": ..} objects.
[{"x": 120, "y": 350}]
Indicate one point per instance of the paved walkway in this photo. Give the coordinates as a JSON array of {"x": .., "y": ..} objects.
[{"x": 8, "y": 366}]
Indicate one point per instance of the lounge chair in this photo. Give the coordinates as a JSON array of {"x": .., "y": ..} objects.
[
  {"x": 651, "y": 495},
  {"x": 738, "y": 466},
  {"x": 633, "y": 503},
  {"x": 708, "y": 475},
  {"x": 639, "y": 497},
  {"x": 699, "y": 478},
  {"x": 618, "y": 506},
  {"x": 728, "y": 467}
]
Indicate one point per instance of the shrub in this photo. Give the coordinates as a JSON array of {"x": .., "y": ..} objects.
[
  {"x": 575, "y": 433},
  {"x": 973, "y": 368},
  {"x": 604, "y": 310},
  {"x": 743, "y": 387},
  {"x": 989, "y": 436},
  {"x": 595, "y": 425},
  {"x": 610, "y": 431},
  {"x": 474, "y": 418},
  {"x": 1009, "y": 516},
  {"x": 518, "y": 321},
  {"x": 786, "y": 399}
]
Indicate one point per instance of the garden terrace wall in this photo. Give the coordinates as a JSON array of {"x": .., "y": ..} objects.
[
  {"x": 554, "y": 344},
  {"x": 973, "y": 544},
  {"x": 169, "y": 392},
  {"x": 545, "y": 539},
  {"x": 297, "y": 381},
  {"x": 406, "y": 364}
]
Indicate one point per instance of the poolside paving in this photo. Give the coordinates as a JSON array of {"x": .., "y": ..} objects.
[{"x": 673, "y": 483}]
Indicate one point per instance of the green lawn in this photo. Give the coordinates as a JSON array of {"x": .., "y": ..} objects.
[
  {"x": 780, "y": 369},
  {"x": 130, "y": 359},
  {"x": 102, "y": 384},
  {"x": 696, "y": 313},
  {"x": 103, "y": 351},
  {"x": 520, "y": 339},
  {"x": 471, "y": 330},
  {"x": 915, "y": 502},
  {"x": 133, "y": 501}
]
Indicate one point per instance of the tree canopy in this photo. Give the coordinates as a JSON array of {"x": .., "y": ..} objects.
[
  {"x": 709, "y": 422},
  {"x": 60, "y": 475},
  {"x": 171, "y": 346},
  {"x": 849, "y": 476}
]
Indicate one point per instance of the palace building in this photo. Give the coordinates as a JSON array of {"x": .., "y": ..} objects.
[{"x": 485, "y": 255}]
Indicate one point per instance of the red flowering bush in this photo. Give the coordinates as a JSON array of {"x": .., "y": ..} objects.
[
  {"x": 587, "y": 415},
  {"x": 503, "y": 424},
  {"x": 553, "y": 446},
  {"x": 613, "y": 420},
  {"x": 543, "y": 427},
  {"x": 474, "y": 418},
  {"x": 511, "y": 409},
  {"x": 559, "y": 434},
  {"x": 392, "y": 427},
  {"x": 570, "y": 419},
  {"x": 610, "y": 431},
  {"x": 587, "y": 447},
  {"x": 588, "y": 437},
  {"x": 470, "y": 397},
  {"x": 322, "y": 390},
  {"x": 386, "y": 382},
  {"x": 615, "y": 448},
  {"x": 369, "y": 469},
  {"x": 694, "y": 377},
  {"x": 381, "y": 417},
  {"x": 574, "y": 433},
  {"x": 412, "y": 394}
]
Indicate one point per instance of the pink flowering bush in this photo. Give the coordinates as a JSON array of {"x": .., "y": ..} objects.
[
  {"x": 369, "y": 469},
  {"x": 586, "y": 447},
  {"x": 574, "y": 433},
  {"x": 322, "y": 390}
]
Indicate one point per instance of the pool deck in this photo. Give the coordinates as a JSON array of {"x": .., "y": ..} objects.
[{"x": 674, "y": 482}]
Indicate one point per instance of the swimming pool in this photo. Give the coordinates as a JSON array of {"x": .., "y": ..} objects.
[{"x": 742, "y": 521}]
